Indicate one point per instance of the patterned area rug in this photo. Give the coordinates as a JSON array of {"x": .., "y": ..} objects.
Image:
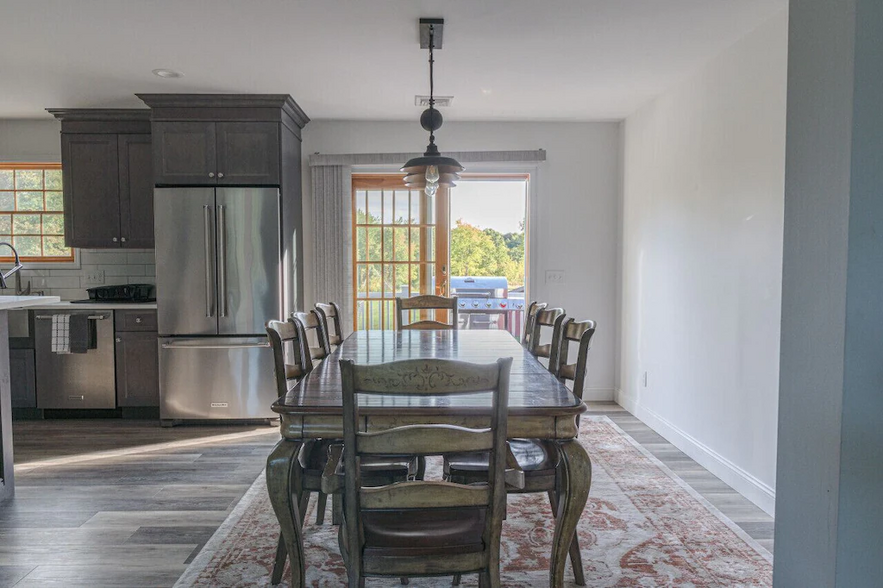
[{"x": 642, "y": 527}]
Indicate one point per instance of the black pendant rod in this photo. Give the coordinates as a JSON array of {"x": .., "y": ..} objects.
[{"x": 431, "y": 80}]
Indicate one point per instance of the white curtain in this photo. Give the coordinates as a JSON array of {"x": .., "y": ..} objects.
[{"x": 332, "y": 238}]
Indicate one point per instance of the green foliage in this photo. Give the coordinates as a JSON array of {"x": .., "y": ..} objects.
[{"x": 477, "y": 252}]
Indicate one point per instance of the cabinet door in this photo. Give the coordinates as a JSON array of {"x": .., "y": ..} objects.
[
  {"x": 136, "y": 191},
  {"x": 184, "y": 153},
  {"x": 248, "y": 153},
  {"x": 22, "y": 378},
  {"x": 137, "y": 368},
  {"x": 89, "y": 164}
]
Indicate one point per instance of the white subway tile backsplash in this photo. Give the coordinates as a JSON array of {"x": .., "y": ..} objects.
[
  {"x": 141, "y": 257},
  {"x": 93, "y": 257},
  {"x": 136, "y": 266},
  {"x": 122, "y": 270}
]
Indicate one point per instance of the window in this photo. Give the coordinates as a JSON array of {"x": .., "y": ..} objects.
[
  {"x": 396, "y": 249},
  {"x": 32, "y": 212}
]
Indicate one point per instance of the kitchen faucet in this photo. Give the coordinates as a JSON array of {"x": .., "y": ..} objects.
[{"x": 15, "y": 268}]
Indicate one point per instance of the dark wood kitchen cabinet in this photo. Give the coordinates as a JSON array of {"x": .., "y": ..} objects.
[
  {"x": 106, "y": 163},
  {"x": 184, "y": 153},
  {"x": 216, "y": 153},
  {"x": 137, "y": 359}
]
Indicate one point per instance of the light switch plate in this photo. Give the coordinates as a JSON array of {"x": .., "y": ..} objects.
[
  {"x": 94, "y": 278},
  {"x": 555, "y": 277}
]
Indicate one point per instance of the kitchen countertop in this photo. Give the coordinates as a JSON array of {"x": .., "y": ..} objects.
[
  {"x": 67, "y": 305},
  {"x": 15, "y": 302}
]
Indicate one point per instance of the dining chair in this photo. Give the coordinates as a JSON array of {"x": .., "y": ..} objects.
[
  {"x": 292, "y": 362},
  {"x": 422, "y": 528},
  {"x": 529, "y": 317},
  {"x": 312, "y": 325},
  {"x": 581, "y": 333},
  {"x": 548, "y": 319},
  {"x": 426, "y": 302},
  {"x": 329, "y": 314},
  {"x": 539, "y": 459}
]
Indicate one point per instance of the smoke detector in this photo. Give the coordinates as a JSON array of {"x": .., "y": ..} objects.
[{"x": 423, "y": 101}]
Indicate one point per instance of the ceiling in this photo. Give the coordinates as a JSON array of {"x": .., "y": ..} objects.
[{"x": 572, "y": 60}]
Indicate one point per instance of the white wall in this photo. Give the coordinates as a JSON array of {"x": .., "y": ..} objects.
[
  {"x": 575, "y": 225},
  {"x": 703, "y": 194},
  {"x": 39, "y": 141}
]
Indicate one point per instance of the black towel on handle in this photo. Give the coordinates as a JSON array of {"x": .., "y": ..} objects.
[{"x": 79, "y": 333}]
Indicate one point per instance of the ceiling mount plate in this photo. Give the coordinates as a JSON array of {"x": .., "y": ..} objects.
[{"x": 438, "y": 26}]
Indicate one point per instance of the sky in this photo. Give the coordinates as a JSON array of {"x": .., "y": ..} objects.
[{"x": 497, "y": 205}]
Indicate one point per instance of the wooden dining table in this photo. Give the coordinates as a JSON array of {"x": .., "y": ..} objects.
[{"x": 539, "y": 407}]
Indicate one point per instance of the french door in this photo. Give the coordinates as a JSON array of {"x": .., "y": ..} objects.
[{"x": 400, "y": 248}]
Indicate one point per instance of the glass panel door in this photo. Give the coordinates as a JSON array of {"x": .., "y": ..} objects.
[{"x": 399, "y": 248}]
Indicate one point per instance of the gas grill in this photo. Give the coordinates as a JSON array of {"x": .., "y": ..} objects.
[{"x": 484, "y": 303}]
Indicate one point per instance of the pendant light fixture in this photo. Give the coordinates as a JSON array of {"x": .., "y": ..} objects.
[{"x": 432, "y": 169}]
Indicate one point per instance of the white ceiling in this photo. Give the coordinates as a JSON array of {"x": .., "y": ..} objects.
[{"x": 360, "y": 59}]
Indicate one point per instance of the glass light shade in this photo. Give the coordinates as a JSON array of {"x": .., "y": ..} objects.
[{"x": 432, "y": 174}]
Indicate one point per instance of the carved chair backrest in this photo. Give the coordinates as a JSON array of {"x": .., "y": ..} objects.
[
  {"x": 549, "y": 319},
  {"x": 290, "y": 358},
  {"x": 426, "y": 302},
  {"x": 424, "y": 377},
  {"x": 312, "y": 324},
  {"x": 572, "y": 331},
  {"x": 329, "y": 314},
  {"x": 529, "y": 318}
]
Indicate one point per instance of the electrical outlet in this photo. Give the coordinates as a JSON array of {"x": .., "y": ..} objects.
[
  {"x": 94, "y": 278},
  {"x": 555, "y": 277},
  {"x": 646, "y": 379}
]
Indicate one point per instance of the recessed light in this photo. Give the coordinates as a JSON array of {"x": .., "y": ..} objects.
[{"x": 167, "y": 73}]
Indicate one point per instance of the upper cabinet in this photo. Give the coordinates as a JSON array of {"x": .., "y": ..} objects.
[
  {"x": 107, "y": 175},
  {"x": 209, "y": 153},
  {"x": 221, "y": 139}
]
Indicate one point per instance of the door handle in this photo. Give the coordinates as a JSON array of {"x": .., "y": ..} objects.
[
  {"x": 46, "y": 317},
  {"x": 209, "y": 257},
  {"x": 222, "y": 260},
  {"x": 217, "y": 346}
]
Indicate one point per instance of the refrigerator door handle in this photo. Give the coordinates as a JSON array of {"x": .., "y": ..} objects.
[
  {"x": 222, "y": 260},
  {"x": 216, "y": 346},
  {"x": 209, "y": 256}
]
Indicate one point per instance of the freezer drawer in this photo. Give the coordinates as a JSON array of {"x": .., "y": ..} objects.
[
  {"x": 216, "y": 378},
  {"x": 76, "y": 380}
]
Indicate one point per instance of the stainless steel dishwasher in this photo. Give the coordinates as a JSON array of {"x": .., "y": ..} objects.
[{"x": 75, "y": 380}]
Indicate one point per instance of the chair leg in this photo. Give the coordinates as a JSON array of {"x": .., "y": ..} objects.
[
  {"x": 456, "y": 581},
  {"x": 576, "y": 558},
  {"x": 320, "y": 507},
  {"x": 336, "y": 509},
  {"x": 279, "y": 563},
  {"x": 421, "y": 467}
]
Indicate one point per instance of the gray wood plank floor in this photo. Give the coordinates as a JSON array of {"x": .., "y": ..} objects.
[{"x": 138, "y": 520}]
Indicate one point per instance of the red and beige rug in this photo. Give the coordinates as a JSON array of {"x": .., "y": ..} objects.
[{"x": 642, "y": 527}]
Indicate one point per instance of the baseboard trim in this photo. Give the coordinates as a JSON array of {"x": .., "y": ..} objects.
[{"x": 740, "y": 480}]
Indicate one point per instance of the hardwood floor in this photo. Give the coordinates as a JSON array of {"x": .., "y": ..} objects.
[
  {"x": 113, "y": 503},
  {"x": 86, "y": 515}
]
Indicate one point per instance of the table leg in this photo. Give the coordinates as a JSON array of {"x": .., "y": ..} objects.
[
  {"x": 576, "y": 478},
  {"x": 283, "y": 484}
]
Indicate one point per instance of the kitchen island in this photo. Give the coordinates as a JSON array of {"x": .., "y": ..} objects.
[{"x": 7, "y": 303}]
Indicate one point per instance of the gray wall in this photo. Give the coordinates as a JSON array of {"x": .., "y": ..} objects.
[{"x": 829, "y": 519}]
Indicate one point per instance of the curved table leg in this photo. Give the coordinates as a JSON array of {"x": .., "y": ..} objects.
[
  {"x": 283, "y": 484},
  {"x": 576, "y": 478}
]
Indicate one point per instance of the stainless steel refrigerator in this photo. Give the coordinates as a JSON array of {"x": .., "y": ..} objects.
[{"x": 218, "y": 280}]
